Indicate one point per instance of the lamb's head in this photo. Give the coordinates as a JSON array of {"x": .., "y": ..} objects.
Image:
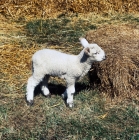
[{"x": 92, "y": 50}]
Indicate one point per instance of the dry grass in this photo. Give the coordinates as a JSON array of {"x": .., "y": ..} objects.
[
  {"x": 15, "y": 65},
  {"x": 44, "y": 8},
  {"x": 119, "y": 74}
]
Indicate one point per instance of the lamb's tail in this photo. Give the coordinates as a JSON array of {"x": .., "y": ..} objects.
[{"x": 32, "y": 68}]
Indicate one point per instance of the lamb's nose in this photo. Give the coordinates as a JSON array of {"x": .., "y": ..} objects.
[{"x": 104, "y": 57}]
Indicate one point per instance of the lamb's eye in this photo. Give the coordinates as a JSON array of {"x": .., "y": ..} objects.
[{"x": 96, "y": 53}]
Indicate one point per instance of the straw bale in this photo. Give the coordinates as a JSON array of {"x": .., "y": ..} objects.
[
  {"x": 119, "y": 73},
  {"x": 45, "y": 8}
]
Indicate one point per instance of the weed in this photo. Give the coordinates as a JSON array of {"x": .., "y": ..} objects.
[{"x": 3, "y": 113}]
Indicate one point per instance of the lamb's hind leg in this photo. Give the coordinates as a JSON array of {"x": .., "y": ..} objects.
[
  {"x": 44, "y": 86},
  {"x": 31, "y": 84}
]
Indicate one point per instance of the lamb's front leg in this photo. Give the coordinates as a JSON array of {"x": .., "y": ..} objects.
[{"x": 70, "y": 92}]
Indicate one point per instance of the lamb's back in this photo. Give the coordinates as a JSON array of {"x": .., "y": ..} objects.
[{"x": 54, "y": 62}]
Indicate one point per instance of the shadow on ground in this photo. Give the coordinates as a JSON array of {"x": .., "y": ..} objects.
[{"x": 58, "y": 89}]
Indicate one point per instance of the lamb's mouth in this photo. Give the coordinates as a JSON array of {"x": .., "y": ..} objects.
[{"x": 104, "y": 58}]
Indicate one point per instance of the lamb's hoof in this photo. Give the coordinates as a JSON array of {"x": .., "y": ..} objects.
[
  {"x": 48, "y": 96},
  {"x": 70, "y": 105},
  {"x": 30, "y": 103}
]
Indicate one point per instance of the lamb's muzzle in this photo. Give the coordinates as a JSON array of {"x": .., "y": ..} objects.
[
  {"x": 49, "y": 62},
  {"x": 104, "y": 57}
]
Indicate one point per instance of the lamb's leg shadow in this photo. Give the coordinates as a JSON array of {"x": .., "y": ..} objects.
[
  {"x": 55, "y": 89},
  {"x": 38, "y": 90},
  {"x": 81, "y": 86},
  {"x": 58, "y": 89}
]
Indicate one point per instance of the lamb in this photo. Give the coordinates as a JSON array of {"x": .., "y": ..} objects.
[{"x": 48, "y": 62}]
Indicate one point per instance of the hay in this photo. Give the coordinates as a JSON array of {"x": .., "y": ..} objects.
[
  {"x": 15, "y": 63},
  {"x": 45, "y": 8},
  {"x": 119, "y": 73}
]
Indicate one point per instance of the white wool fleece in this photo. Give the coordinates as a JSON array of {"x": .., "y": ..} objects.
[
  {"x": 49, "y": 62},
  {"x": 63, "y": 65}
]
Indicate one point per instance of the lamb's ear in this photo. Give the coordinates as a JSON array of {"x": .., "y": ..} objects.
[
  {"x": 84, "y": 42},
  {"x": 87, "y": 51}
]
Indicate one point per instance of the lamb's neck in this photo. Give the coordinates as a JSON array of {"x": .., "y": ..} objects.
[
  {"x": 85, "y": 62},
  {"x": 84, "y": 59}
]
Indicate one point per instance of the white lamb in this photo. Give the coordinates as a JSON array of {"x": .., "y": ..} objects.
[{"x": 49, "y": 62}]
